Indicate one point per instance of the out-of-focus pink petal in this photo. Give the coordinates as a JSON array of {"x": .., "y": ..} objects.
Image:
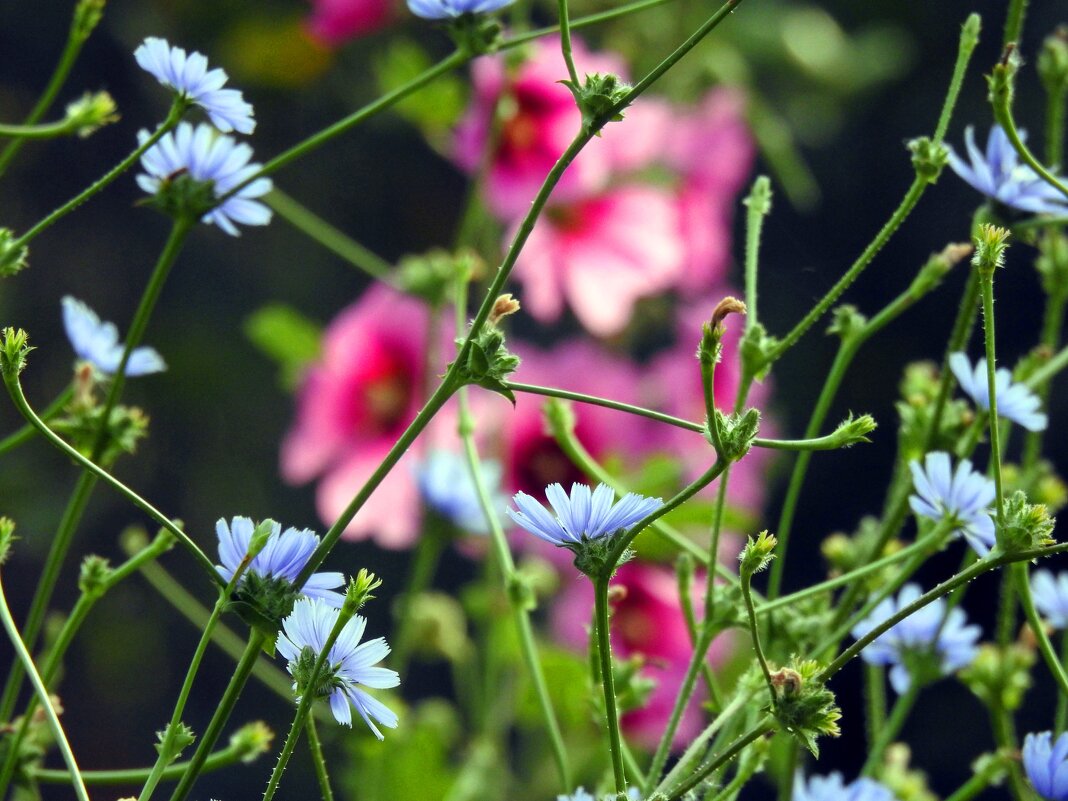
[{"x": 334, "y": 22}]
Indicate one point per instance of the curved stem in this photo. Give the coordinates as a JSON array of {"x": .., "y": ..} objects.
[
  {"x": 1003, "y": 114},
  {"x": 48, "y": 130},
  {"x": 1014, "y": 21},
  {"x": 765, "y": 726},
  {"x": 220, "y": 759},
  {"x": 101, "y": 183},
  {"x": 14, "y": 389},
  {"x": 42, "y": 692},
  {"x": 604, "y": 653},
  {"x": 1055, "y": 665},
  {"x": 593, "y": 400},
  {"x": 16, "y": 438}
]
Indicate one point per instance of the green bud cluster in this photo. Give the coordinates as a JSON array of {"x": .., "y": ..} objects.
[
  {"x": 1000, "y": 675},
  {"x": 488, "y": 362},
  {"x": 1027, "y": 526},
  {"x": 94, "y": 574},
  {"x": 433, "y": 276},
  {"x": 475, "y": 34},
  {"x": 598, "y": 99},
  {"x": 756, "y": 349},
  {"x": 928, "y": 158},
  {"x": 184, "y": 197},
  {"x": 252, "y": 741},
  {"x": 12, "y": 254},
  {"x": 13, "y": 350},
  {"x": 91, "y": 112},
  {"x": 737, "y": 432},
  {"x": 170, "y": 742},
  {"x": 1053, "y": 62},
  {"x": 803, "y": 706},
  {"x": 757, "y": 554},
  {"x": 990, "y": 245},
  {"x": 7, "y": 537}
]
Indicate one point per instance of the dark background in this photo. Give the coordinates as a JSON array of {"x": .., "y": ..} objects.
[{"x": 218, "y": 413}]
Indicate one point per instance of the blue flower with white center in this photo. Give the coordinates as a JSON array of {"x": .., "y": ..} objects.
[
  {"x": 1051, "y": 597},
  {"x": 832, "y": 788},
  {"x": 207, "y": 157},
  {"x": 922, "y": 647},
  {"x": 352, "y": 663},
  {"x": 444, "y": 481},
  {"x": 583, "y": 517},
  {"x": 189, "y": 76},
  {"x": 1015, "y": 401},
  {"x": 963, "y": 496},
  {"x": 450, "y": 9},
  {"x": 1000, "y": 176},
  {"x": 283, "y": 557},
  {"x": 1045, "y": 762},
  {"x": 98, "y": 342}
]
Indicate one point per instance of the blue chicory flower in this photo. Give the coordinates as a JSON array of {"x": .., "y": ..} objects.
[
  {"x": 450, "y": 9},
  {"x": 964, "y": 496},
  {"x": 1051, "y": 597},
  {"x": 1044, "y": 763},
  {"x": 1015, "y": 401},
  {"x": 98, "y": 342},
  {"x": 353, "y": 662},
  {"x": 189, "y": 76},
  {"x": 633, "y": 794},
  {"x": 1000, "y": 176},
  {"x": 832, "y": 788},
  {"x": 584, "y": 516},
  {"x": 284, "y": 556},
  {"x": 205, "y": 155},
  {"x": 444, "y": 481},
  {"x": 924, "y": 636}
]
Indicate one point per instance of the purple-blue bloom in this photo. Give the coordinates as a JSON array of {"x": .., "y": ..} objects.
[
  {"x": 583, "y": 516},
  {"x": 832, "y": 788},
  {"x": 444, "y": 481},
  {"x": 189, "y": 76},
  {"x": 1045, "y": 762},
  {"x": 98, "y": 342},
  {"x": 1051, "y": 597},
  {"x": 284, "y": 556},
  {"x": 999, "y": 175},
  {"x": 450, "y": 9},
  {"x": 923, "y": 634},
  {"x": 964, "y": 496},
  {"x": 206, "y": 155},
  {"x": 353, "y": 662},
  {"x": 1015, "y": 401}
]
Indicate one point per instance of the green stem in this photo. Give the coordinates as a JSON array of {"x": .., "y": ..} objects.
[
  {"x": 316, "y": 748},
  {"x": 167, "y": 752},
  {"x": 42, "y": 692},
  {"x": 981, "y": 780},
  {"x": 222, "y": 714},
  {"x": 920, "y": 547},
  {"x": 75, "y": 39},
  {"x": 758, "y": 206},
  {"x": 604, "y": 653},
  {"x": 102, "y": 183},
  {"x": 228, "y": 641},
  {"x": 697, "y": 747},
  {"x": 1005, "y": 736},
  {"x": 593, "y": 400},
  {"x": 1045, "y": 647},
  {"x": 1055, "y": 99},
  {"x": 1003, "y": 114},
  {"x": 993, "y": 561},
  {"x": 969, "y": 39},
  {"x": 875, "y": 695},
  {"x": 565, "y": 44},
  {"x": 133, "y": 776},
  {"x": 16, "y": 438},
  {"x": 754, "y": 632},
  {"x": 48, "y": 130},
  {"x": 1014, "y": 21},
  {"x": 986, "y": 283},
  {"x": 765, "y": 726},
  {"x": 512, "y": 586},
  {"x": 890, "y": 729},
  {"x": 333, "y": 239},
  {"x": 14, "y": 389},
  {"x": 54, "y": 657},
  {"x": 317, "y": 140},
  {"x": 1061, "y": 715}
]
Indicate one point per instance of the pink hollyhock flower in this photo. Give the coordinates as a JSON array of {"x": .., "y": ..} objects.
[
  {"x": 353, "y": 405},
  {"x": 540, "y": 122},
  {"x": 647, "y": 622},
  {"x": 335, "y": 22},
  {"x": 602, "y": 254}
]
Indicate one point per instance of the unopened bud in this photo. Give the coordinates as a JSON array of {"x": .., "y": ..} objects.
[
  {"x": 504, "y": 306},
  {"x": 990, "y": 245},
  {"x": 359, "y": 591}
]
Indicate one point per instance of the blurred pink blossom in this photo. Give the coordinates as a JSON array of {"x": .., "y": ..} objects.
[
  {"x": 539, "y": 120},
  {"x": 334, "y": 22},
  {"x": 647, "y": 622},
  {"x": 353, "y": 405},
  {"x": 601, "y": 254}
]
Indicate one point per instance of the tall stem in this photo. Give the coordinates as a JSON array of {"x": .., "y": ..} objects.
[
  {"x": 890, "y": 729},
  {"x": 604, "y": 654}
]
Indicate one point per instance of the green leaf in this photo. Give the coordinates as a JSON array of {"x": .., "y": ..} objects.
[{"x": 283, "y": 334}]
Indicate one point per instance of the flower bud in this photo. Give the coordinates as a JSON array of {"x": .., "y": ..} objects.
[
  {"x": 12, "y": 255},
  {"x": 359, "y": 591},
  {"x": 252, "y": 740},
  {"x": 1053, "y": 61},
  {"x": 990, "y": 245},
  {"x": 90, "y": 112},
  {"x": 94, "y": 574},
  {"x": 13, "y": 350},
  {"x": 928, "y": 158},
  {"x": 7, "y": 536}
]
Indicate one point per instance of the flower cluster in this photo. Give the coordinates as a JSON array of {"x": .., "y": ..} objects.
[
  {"x": 962, "y": 496},
  {"x": 925, "y": 645}
]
